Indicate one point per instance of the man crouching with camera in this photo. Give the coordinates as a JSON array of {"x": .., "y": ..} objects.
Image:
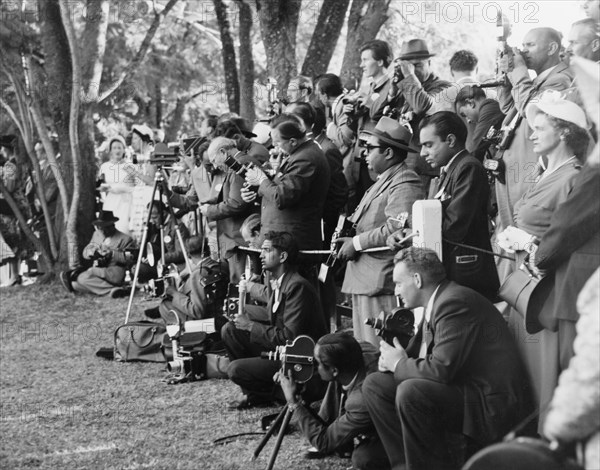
[
  {"x": 345, "y": 424},
  {"x": 293, "y": 309}
]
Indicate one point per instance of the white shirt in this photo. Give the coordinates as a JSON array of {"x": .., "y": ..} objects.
[{"x": 426, "y": 318}]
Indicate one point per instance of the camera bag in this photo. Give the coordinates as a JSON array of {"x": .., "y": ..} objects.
[{"x": 139, "y": 341}]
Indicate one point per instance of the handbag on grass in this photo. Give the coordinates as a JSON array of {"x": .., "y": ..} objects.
[
  {"x": 139, "y": 341},
  {"x": 527, "y": 294}
]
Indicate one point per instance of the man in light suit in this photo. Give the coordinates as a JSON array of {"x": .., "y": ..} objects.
[
  {"x": 369, "y": 275},
  {"x": 541, "y": 49},
  {"x": 293, "y": 309},
  {"x": 460, "y": 373}
]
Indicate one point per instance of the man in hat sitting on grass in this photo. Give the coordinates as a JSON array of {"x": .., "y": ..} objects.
[
  {"x": 111, "y": 252},
  {"x": 369, "y": 275}
]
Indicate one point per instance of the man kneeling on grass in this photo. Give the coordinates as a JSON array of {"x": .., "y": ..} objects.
[
  {"x": 345, "y": 424},
  {"x": 293, "y": 309},
  {"x": 111, "y": 252}
]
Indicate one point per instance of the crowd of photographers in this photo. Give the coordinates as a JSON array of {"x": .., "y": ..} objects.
[{"x": 512, "y": 165}]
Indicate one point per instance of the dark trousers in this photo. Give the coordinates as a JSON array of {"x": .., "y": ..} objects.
[
  {"x": 370, "y": 455},
  {"x": 412, "y": 419}
]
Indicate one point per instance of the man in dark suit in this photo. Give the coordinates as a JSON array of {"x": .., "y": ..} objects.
[
  {"x": 293, "y": 309},
  {"x": 292, "y": 201},
  {"x": 464, "y": 193},
  {"x": 369, "y": 275},
  {"x": 461, "y": 372},
  {"x": 345, "y": 423}
]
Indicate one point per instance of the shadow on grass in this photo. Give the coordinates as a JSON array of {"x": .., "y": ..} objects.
[{"x": 62, "y": 407}]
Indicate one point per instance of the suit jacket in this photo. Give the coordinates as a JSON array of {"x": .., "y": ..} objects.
[
  {"x": 489, "y": 115},
  {"x": 122, "y": 247},
  {"x": 293, "y": 200},
  {"x": 395, "y": 192},
  {"x": 464, "y": 193},
  {"x": 519, "y": 158},
  {"x": 229, "y": 211},
  {"x": 299, "y": 312},
  {"x": 472, "y": 348},
  {"x": 338, "y": 187},
  {"x": 571, "y": 245},
  {"x": 343, "y": 425}
]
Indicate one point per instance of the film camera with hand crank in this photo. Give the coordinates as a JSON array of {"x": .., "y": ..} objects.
[{"x": 400, "y": 323}]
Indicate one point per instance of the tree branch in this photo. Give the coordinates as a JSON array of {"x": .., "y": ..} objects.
[{"x": 141, "y": 53}]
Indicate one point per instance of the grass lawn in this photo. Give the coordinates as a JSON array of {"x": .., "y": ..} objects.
[{"x": 64, "y": 408}]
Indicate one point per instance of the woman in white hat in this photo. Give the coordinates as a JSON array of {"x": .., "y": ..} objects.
[
  {"x": 118, "y": 180},
  {"x": 561, "y": 140}
]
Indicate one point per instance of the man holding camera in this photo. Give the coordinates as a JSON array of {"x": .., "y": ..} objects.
[
  {"x": 345, "y": 424},
  {"x": 369, "y": 275},
  {"x": 461, "y": 372},
  {"x": 111, "y": 252},
  {"x": 293, "y": 309}
]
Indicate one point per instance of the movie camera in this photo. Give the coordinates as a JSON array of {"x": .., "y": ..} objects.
[
  {"x": 168, "y": 154},
  {"x": 400, "y": 323},
  {"x": 297, "y": 358},
  {"x": 398, "y": 75},
  {"x": 503, "y": 32}
]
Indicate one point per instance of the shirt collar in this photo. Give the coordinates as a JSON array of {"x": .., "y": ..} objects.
[
  {"x": 429, "y": 308},
  {"x": 447, "y": 166},
  {"x": 351, "y": 384},
  {"x": 545, "y": 73}
]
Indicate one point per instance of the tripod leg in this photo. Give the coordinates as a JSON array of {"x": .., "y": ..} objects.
[
  {"x": 270, "y": 432},
  {"x": 284, "y": 425}
]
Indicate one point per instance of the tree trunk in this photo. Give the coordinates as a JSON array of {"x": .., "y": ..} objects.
[
  {"x": 365, "y": 21},
  {"x": 324, "y": 38},
  {"x": 246, "y": 62},
  {"x": 232, "y": 85},
  {"x": 278, "y": 25},
  {"x": 176, "y": 120}
]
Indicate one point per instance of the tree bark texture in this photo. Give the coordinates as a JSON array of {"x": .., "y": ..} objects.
[
  {"x": 232, "y": 85},
  {"x": 364, "y": 22},
  {"x": 245, "y": 16},
  {"x": 278, "y": 25},
  {"x": 324, "y": 38}
]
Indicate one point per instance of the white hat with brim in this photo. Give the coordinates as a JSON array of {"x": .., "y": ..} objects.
[
  {"x": 143, "y": 130},
  {"x": 558, "y": 108}
]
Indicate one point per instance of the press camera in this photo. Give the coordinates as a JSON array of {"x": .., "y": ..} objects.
[
  {"x": 400, "y": 323},
  {"x": 296, "y": 358}
]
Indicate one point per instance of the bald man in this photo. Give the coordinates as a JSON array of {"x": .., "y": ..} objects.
[
  {"x": 540, "y": 53},
  {"x": 583, "y": 40}
]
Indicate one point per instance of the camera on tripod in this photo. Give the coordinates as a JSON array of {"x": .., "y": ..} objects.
[
  {"x": 398, "y": 324},
  {"x": 297, "y": 358}
]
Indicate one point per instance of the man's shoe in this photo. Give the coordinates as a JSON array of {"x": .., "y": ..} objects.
[
  {"x": 65, "y": 280},
  {"x": 118, "y": 293},
  {"x": 153, "y": 313},
  {"x": 245, "y": 403}
]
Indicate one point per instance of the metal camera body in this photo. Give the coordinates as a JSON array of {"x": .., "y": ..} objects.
[
  {"x": 187, "y": 363},
  {"x": 296, "y": 357},
  {"x": 400, "y": 323},
  {"x": 239, "y": 169},
  {"x": 398, "y": 75},
  {"x": 157, "y": 287}
]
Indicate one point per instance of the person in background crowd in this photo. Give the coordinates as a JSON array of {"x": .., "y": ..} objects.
[
  {"x": 239, "y": 130},
  {"x": 464, "y": 67},
  {"x": 592, "y": 9},
  {"x": 369, "y": 275},
  {"x": 226, "y": 207},
  {"x": 540, "y": 53},
  {"x": 346, "y": 426},
  {"x": 12, "y": 234},
  {"x": 559, "y": 135},
  {"x": 112, "y": 253},
  {"x": 293, "y": 309},
  {"x": 364, "y": 111},
  {"x": 331, "y": 93},
  {"x": 299, "y": 89},
  {"x": 453, "y": 376},
  {"x": 481, "y": 114},
  {"x": 575, "y": 406},
  {"x": 117, "y": 177},
  {"x": 583, "y": 40},
  {"x": 420, "y": 92}
]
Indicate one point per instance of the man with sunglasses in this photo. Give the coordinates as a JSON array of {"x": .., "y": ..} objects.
[{"x": 369, "y": 275}]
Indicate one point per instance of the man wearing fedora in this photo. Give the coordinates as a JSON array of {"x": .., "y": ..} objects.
[
  {"x": 111, "y": 252},
  {"x": 369, "y": 275},
  {"x": 418, "y": 92}
]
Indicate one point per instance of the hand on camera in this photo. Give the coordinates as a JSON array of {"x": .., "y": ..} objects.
[
  {"x": 407, "y": 68},
  {"x": 170, "y": 291},
  {"x": 347, "y": 251},
  {"x": 247, "y": 194},
  {"x": 275, "y": 158},
  {"x": 395, "y": 240},
  {"x": 242, "y": 322},
  {"x": 255, "y": 176},
  {"x": 204, "y": 208},
  {"x": 390, "y": 355},
  {"x": 288, "y": 386}
]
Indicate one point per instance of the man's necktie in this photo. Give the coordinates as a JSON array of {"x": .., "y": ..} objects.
[{"x": 275, "y": 285}]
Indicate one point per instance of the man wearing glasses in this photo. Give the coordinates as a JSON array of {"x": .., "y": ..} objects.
[{"x": 369, "y": 275}]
